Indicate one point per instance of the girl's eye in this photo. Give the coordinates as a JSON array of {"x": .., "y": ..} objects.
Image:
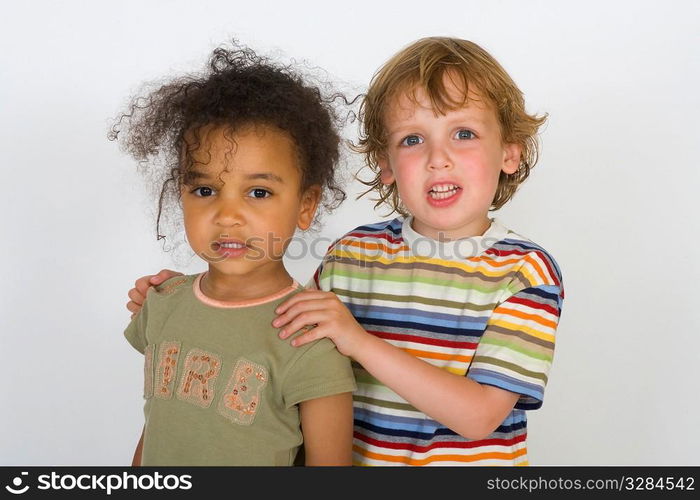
[
  {"x": 411, "y": 140},
  {"x": 203, "y": 191},
  {"x": 259, "y": 193},
  {"x": 465, "y": 134}
]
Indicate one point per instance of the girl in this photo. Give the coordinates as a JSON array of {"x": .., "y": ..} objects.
[{"x": 250, "y": 151}]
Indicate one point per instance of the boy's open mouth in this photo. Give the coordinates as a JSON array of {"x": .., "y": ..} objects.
[{"x": 443, "y": 191}]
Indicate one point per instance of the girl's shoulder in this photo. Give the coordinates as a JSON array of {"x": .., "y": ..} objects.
[
  {"x": 170, "y": 292},
  {"x": 174, "y": 285}
]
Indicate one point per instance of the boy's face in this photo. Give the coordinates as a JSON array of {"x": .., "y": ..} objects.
[
  {"x": 446, "y": 167},
  {"x": 243, "y": 203}
]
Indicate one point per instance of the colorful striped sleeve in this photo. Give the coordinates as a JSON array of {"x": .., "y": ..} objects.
[
  {"x": 516, "y": 349},
  {"x": 315, "y": 282}
]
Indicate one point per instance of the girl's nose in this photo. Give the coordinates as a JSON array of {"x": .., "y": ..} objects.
[{"x": 229, "y": 213}]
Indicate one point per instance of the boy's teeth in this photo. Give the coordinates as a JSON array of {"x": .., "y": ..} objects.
[
  {"x": 232, "y": 245},
  {"x": 441, "y": 188},
  {"x": 443, "y": 191}
]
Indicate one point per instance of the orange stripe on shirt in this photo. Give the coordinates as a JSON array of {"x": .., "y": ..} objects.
[
  {"x": 441, "y": 458},
  {"x": 543, "y": 277},
  {"x": 532, "y": 317},
  {"x": 438, "y": 355},
  {"x": 374, "y": 246}
]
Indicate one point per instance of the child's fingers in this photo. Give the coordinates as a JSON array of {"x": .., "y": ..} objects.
[
  {"x": 136, "y": 297},
  {"x": 309, "y": 336},
  {"x": 305, "y": 319},
  {"x": 300, "y": 297},
  {"x": 296, "y": 309},
  {"x": 135, "y": 301},
  {"x": 163, "y": 275},
  {"x": 143, "y": 284}
]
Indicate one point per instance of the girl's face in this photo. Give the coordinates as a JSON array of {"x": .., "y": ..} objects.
[{"x": 243, "y": 202}]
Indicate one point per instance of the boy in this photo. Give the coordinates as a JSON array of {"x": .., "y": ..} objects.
[{"x": 448, "y": 316}]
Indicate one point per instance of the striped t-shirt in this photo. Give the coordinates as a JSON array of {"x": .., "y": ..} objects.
[{"x": 485, "y": 307}]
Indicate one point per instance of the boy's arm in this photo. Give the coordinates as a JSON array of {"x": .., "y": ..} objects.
[
  {"x": 136, "y": 461},
  {"x": 327, "y": 427},
  {"x": 471, "y": 409}
]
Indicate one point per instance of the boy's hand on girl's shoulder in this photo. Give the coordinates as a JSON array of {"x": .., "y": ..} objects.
[
  {"x": 327, "y": 316},
  {"x": 138, "y": 294}
]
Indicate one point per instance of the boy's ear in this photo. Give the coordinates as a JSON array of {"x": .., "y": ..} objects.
[
  {"x": 386, "y": 174},
  {"x": 511, "y": 157},
  {"x": 309, "y": 203}
]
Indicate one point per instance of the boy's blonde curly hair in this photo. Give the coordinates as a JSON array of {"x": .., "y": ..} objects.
[{"x": 424, "y": 64}]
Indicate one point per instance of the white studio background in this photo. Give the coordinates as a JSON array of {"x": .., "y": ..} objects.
[{"x": 614, "y": 199}]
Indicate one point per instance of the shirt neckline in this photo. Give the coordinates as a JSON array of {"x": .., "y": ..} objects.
[
  {"x": 224, "y": 304},
  {"x": 426, "y": 247}
]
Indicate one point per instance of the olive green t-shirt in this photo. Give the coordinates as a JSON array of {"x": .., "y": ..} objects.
[{"x": 221, "y": 387}]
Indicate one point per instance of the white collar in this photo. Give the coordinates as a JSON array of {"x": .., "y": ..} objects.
[{"x": 426, "y": 247}]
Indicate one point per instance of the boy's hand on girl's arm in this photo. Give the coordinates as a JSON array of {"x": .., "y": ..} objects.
[
  {"x": 470, "y": 409},
  {"x": 138, "y": 294},
  {"x": 326, "y": 314}
]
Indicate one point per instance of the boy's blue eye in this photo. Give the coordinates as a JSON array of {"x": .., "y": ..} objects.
[
  {"x": 465, "y": 134},
  {"x": 259, "y": 193},
  {"x": 411, "y": 140},
  {"x": 203, "y": 191}
]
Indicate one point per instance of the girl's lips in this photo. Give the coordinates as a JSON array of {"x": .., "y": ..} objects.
[
  {"x": 229, "y": 248},
  {"x": 232, "y": 253}
]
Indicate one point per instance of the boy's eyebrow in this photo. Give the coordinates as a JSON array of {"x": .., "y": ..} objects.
[{"x": 408, "y": 124}]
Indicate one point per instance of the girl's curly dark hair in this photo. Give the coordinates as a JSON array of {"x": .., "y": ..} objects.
[{"x": 239, "y": 88}]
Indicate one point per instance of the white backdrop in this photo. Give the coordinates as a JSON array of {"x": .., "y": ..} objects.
[{"x": 613, "y": 198}]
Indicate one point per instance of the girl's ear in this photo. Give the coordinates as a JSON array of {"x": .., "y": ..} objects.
[
  {"x": 386, "y": 174},
  {"x": 511, "y": 157},
  {"x": 309, "y": 203}
]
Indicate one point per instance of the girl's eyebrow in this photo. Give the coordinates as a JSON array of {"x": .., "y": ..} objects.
[
  {"x": 269, "y": 176},
  {"x": 196, "y": 174}
]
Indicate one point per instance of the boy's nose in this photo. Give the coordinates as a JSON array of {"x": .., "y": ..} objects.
[{"x": 439, "y": 158}]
